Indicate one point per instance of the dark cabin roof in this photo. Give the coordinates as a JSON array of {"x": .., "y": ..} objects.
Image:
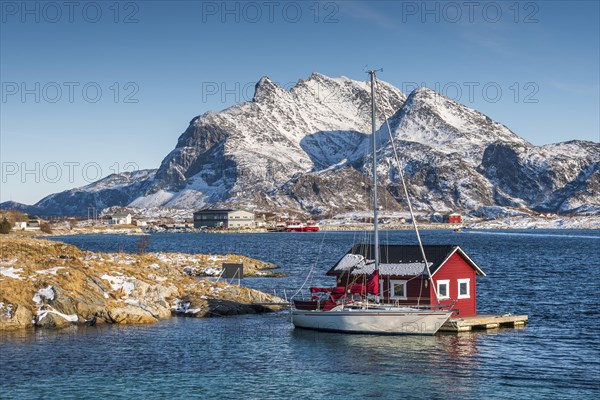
[
  {"x": 402, "y": 260},
  {"x": 214, "y": 210}
]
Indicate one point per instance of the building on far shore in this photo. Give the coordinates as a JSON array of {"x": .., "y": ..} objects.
[
  {"x": 223, "y": 218},
  {"x": 120, "y": 219},
  {"x": 453, "y": 218},
  {"x": 20, "y": 225},
  {"x": 34, "y": 225}
]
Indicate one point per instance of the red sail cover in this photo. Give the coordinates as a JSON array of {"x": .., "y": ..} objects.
[
  {"x": 338, "y": 292},
  {"x": 373, "y": 283},
  {"x": 357, "y": 288},
  {"x": 320, "y": 290}
]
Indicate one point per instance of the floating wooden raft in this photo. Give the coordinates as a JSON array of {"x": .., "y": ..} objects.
[{"x": 482, "y": 322}]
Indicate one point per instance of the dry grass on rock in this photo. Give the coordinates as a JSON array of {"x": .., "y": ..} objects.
[{"x": 52, "y": 284}]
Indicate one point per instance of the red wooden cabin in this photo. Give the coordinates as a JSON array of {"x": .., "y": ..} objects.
[
  {"x": 403, "y": 278},
  {"x": 454, "y": 219}
]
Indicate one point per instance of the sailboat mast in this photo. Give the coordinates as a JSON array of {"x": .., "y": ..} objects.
[{"x": 375, "y": 207}]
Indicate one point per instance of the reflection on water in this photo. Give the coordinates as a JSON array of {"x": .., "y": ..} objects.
[
  {"x": 449, "y": 360},
  {"x": 385, "y": 348}
]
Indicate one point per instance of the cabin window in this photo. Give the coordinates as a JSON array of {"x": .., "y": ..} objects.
[
  {"x": 398, "y": 290},
  {"x": 464, "y": 288},
  {"x": 443, "y": 289}
]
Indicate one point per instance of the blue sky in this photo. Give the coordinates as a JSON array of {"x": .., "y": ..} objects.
[{"x": 93, "y": 88}]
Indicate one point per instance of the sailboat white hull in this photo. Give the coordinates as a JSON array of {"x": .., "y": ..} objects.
[{"x": 391, "y": 321}]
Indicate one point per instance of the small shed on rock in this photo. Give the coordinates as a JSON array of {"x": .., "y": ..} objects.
[{"x": 403, "y": 277}]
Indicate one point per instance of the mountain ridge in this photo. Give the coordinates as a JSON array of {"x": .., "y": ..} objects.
[{"x": 308, "y": 149}]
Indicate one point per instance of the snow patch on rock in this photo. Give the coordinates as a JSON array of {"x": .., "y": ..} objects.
[
  {"x": 11, "y": 272},
  {"x": 124, "y": 283}
]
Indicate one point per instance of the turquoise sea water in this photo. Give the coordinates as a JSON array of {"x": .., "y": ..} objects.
[{"x": 553, "y": 276}]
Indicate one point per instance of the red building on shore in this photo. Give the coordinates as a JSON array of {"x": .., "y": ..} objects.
[{"x": 454, "y": 218}]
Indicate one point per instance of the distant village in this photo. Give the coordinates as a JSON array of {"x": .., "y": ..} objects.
[
  {"x": 208, "y": 220},
  {"x": 223, "y": 220}
]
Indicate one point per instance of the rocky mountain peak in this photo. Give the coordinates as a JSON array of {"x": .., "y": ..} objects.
[
  {"x": 432, "y": 119},
  {"x": 265, "y": 88}
]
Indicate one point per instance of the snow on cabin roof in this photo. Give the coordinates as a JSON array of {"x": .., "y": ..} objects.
[
  {"x": 356, "y": 264},
  {"x": 402, "y": 260}
]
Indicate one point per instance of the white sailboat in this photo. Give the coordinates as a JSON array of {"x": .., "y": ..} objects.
[{"x": 358, "y": 307}]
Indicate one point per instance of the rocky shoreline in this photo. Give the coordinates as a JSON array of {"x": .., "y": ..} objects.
[{"x": 53, "y": 285}]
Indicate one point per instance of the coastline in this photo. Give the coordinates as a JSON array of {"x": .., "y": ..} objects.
[
  {"x": 53, "y": 285},
  {"x": 589, "y": 222}
]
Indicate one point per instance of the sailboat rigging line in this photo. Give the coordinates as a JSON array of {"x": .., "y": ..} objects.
[
  {"x": 312, "y": 268},
  {"x": 410, "y": 209}
]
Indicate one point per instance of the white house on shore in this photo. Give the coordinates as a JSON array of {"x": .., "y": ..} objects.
[
  {"x": 120, "y": 219},
  {"x": 223, "y": 218},
  {"x": 20, "y": 225}
]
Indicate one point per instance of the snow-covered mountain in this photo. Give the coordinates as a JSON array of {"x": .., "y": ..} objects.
[
  {"x": 562, "y": 177},
  {"x": 456, "y": 158},
  {"x": 307, "y": 149},
  {"x": 258, "y": 146},
  {"x": 115, "y": 189}
]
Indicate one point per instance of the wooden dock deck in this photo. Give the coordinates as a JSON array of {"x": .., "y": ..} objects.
[{"x": 483, "y": 322}]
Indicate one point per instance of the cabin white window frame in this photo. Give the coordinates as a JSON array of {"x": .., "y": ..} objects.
[
  {"x": 468, "y": 294},
  {"x": 439, "y": 292},
  {"x": 393, "y": 294}
]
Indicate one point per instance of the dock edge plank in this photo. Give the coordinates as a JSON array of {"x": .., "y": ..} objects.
[{"x": 483, "y": 322}]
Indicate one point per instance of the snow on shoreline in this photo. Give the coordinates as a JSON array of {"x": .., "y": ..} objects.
[
  {"x": 488, "y": 218},
  {"x": 41, "y": 297},
  {"x": 507, "y": 224},
  {"x": 582, "y": 222}
]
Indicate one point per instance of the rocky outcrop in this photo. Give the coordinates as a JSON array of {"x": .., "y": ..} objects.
[{"x": 53, "y": 285}]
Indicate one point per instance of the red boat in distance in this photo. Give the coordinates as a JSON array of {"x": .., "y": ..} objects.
[
  {"x": 298, "y": 226},
  {"x": 311, "y": 226}
]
